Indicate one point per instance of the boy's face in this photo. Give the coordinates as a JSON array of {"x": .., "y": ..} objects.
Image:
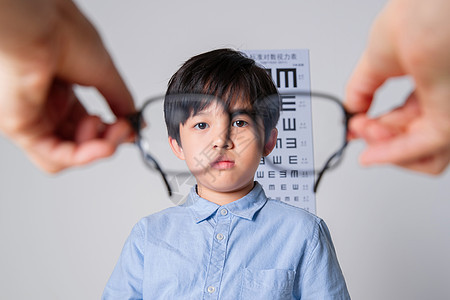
[{"x": 222, "y": 150}]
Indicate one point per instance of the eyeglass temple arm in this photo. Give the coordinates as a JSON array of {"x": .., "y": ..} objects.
[
  {"x": 135, "y": 121},
  {"x": 339, "y": 152},
  {"x": 156, "y": 166}
]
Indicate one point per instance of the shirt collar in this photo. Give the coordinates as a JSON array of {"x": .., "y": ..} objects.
[{"x": 245, "y": 207}]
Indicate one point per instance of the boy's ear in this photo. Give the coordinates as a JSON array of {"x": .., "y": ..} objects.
[
  {"x": 271, "y": 142},
  {"x": 176, "y": 148}
]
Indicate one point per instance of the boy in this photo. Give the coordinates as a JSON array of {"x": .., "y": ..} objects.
[{"x": 228, "y": 241}]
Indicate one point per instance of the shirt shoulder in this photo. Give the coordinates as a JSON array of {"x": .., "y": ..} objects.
[
  {"x": 166, "y": 218},
  {"x": 292, "y": 221},
  {"x": 278, "y": 208}
]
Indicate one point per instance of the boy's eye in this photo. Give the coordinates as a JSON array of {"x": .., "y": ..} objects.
[
  {"x": 240, "y": 123},
  {"x": 201, "y": 125}
]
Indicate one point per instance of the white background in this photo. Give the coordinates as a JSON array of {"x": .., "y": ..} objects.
[{"x": 61, "y": 235}]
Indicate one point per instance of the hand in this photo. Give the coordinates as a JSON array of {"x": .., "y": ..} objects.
[
  {"x": 409, "y": 37},
  {"x": 46, "y": 46}
]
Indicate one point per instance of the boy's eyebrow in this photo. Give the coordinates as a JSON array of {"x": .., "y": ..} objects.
[
  {"x": 199, "y": 113},
  {"x": 238, "y": 112},
  {"x": 232, "y": 113}
]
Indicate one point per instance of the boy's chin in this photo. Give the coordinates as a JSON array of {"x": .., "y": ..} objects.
[{"x": 228, "y": 187}]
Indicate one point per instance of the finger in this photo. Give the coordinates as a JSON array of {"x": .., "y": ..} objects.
[
  {"x": 403, "y": 148},
  {"x": 93, "y": 140},
  {"x": 116, "y": 93},
  {"x": 85, "y": 61},
  {"x": 91, "y": 127},
  {"x": 119, "y": 132},
  {"x": 371, "y": 130},
  {"x": 393, "y": 123},
  {"x": 64, "y": 114},
  {"x": 77, "y": 125},
  {"x": 431, "y": 164},
  {"x": 362, "y": 85},
  {"x": 54, "y": 154}
]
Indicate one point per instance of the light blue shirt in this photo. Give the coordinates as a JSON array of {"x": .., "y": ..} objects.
[{"x": 252, "y": 248}]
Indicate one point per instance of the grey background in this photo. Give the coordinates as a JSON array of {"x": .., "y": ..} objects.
[{"x": 61, "y": 235}]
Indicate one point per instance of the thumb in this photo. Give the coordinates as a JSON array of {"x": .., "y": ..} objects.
[{"x": 378, "y": 62}]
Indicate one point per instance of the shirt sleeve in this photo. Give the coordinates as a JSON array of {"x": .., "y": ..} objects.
[
  {"x": 125, "y": 282},
  {"x": 321, "y": 276}
]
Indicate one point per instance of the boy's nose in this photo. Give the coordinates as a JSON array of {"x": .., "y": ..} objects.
[{"x": 223, "y": 140}]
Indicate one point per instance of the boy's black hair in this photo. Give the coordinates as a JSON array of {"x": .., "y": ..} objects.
[{"x": 226, "y": 74}]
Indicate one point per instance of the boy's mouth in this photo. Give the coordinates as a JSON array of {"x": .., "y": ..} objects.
[{"x": 222, "y": 163}]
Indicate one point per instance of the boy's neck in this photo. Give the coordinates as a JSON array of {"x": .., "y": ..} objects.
[{"x": 223, "y": 198}]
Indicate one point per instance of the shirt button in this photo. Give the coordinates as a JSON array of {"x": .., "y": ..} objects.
[
  {"x": 220, "y": 236},
  {"x": 211, "y": 289},
  {"x": 223, "y": 212}
]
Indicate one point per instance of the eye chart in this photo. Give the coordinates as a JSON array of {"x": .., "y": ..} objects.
[{"x": 284, "y": 173}]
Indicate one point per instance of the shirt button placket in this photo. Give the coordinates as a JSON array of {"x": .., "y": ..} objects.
[{"x": 218, "y": 255}]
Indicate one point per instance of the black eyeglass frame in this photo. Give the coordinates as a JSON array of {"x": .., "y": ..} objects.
[
  {"x": 137, "y": 122},
  {"x": 337, "y": 155}
]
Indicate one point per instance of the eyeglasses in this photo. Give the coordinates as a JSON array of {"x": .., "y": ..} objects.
[
  {"x": 324, "y": 122},
  {"x": 328, "y": 131}
]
